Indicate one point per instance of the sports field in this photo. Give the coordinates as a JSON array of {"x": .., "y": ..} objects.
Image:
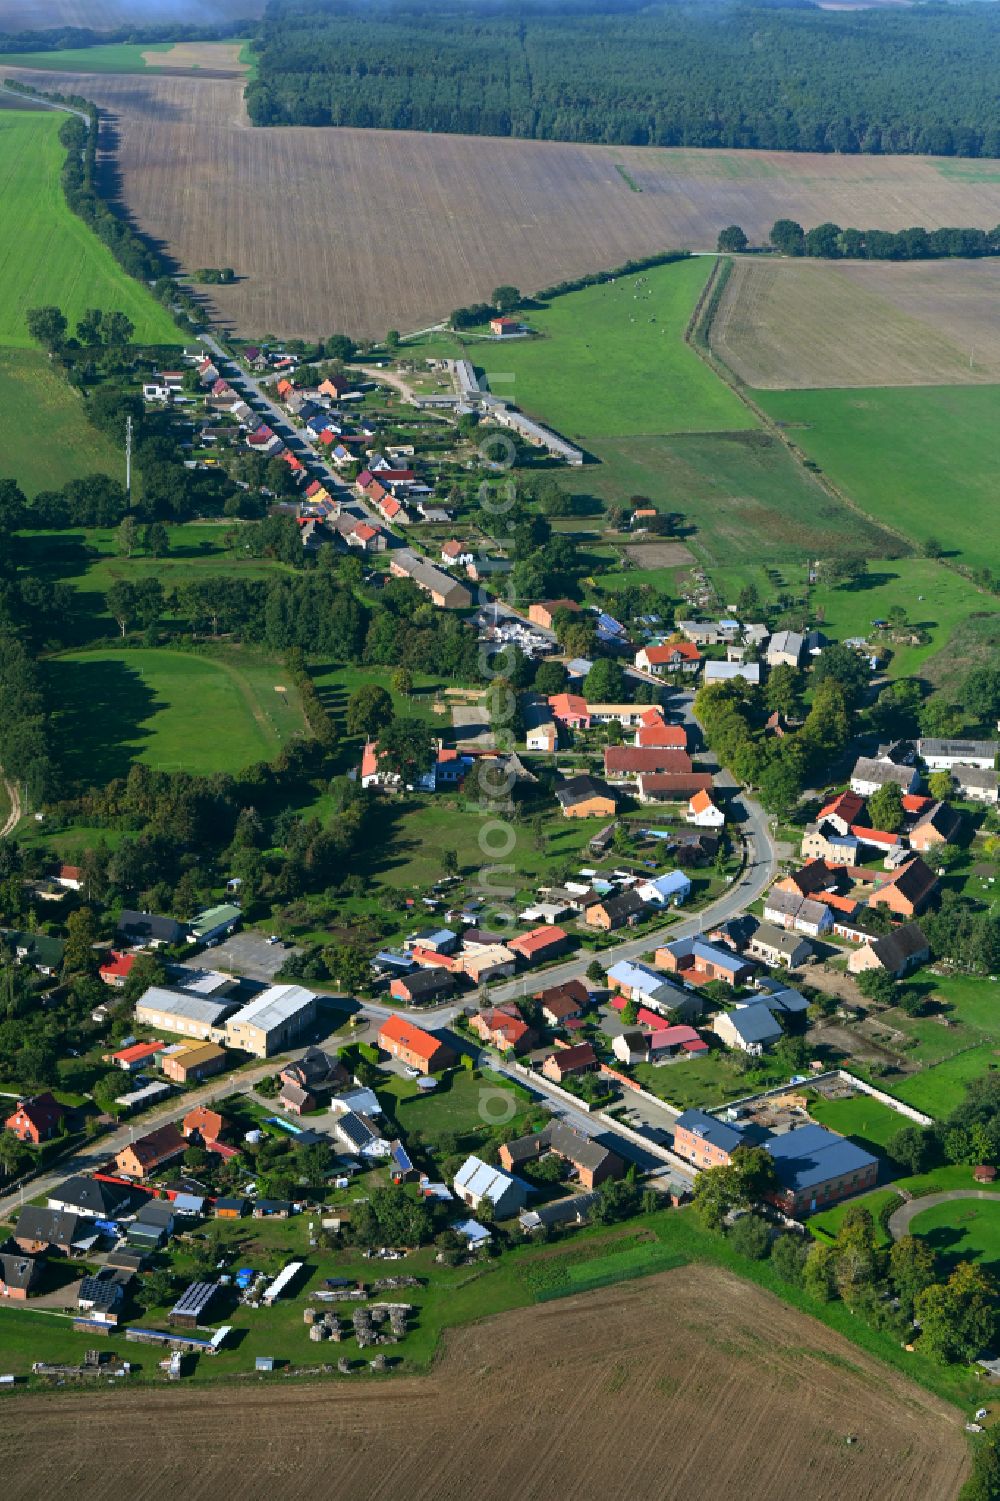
[
  {"x": 924, "y": 460},
  {"x": 47, "y": 254},
  {"x": 35, "y": 402},
  {"x": 173, "y": 710},
  {"x": 612, "y": 361}
]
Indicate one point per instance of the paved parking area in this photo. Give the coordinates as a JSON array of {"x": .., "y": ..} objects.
[{"x": 247, "y": 954}]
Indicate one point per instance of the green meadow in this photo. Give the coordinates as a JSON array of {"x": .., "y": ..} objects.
[
  {"x": 174, "y": 710},
  {"x": 47, "y": 254},
  {"x": 113, "y": 57},
  {"x": 43, "y": 422},
  {"x": 922, "y": 459},
  {"x": 611, "y": 361},
  {"x": 964, "y": 1230}
]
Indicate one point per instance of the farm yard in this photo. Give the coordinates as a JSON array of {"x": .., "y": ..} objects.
[
  {"x": 174, "y": 710},
  {"x": 787, "y": 324},
  {"x": 922, "y": 460},
  {"x": 47, "y": 254},
  {"x": 489, "y": 210},
  {"x": 694, "y": 1350}
]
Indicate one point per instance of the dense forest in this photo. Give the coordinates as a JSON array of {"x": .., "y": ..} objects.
[{"x": 746, "y": 75}]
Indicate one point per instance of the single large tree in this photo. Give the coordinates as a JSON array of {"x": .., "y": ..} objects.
[
  {"x": 732, "y": 239},
  {"x": 47, "y": 325},
  {"x": 369, "y": 710}
]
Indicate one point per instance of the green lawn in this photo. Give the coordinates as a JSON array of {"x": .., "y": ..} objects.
[
  {"x": 866, "y": 1120},
  {"x": 460, "y": 1106},
  {"x": 964, "y": 1230},
  {"x": 174, "y": 710},
  {"x": 704, "y": 1082},
  {"x": 921, "y": 459},
  {"x": 934, "y": 598},
  {"x": 826, "y": 1224},
  {"x": 612, "y": 361},
  {"x": 35, "y": 402},
  {"x": 113, "y": 57},
  {"x": 937, "y": 1090}
]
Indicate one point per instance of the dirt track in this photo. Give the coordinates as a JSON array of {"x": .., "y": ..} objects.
[
  {"x": 367, "y": 230},
  {"x": 688, "y": 1386}
]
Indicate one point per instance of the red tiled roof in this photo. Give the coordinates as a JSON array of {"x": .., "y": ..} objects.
[
  {"x": 634, "y": 758},
  {"x": 138, "y": 1052},
  {"x": 568, "y": 706},
  {"x": 118, "y": 965},
  {"x": 662, "y": 735},
  {"x": 671, "y": 650},
  {"x": 847, "y": 806},
  {"x": 535, "y": 942},
  {"x": 874, "y": 836},
  {"x": 402, "y": 1032}
]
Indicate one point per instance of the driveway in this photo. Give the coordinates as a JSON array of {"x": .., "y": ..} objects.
[
  {"x": 247, "y": 954},
  {"x": 901, "y": 1218}
]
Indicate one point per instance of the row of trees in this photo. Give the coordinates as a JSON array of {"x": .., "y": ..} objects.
[{"x": 830, "y": 242}]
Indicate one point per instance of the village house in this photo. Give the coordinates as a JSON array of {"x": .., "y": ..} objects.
[
  {"x": 560, "y": 1005},
  {"x": 544, "y": 613},
  {"x": 897, "y": 953},
  {"x": 706, "y": 1142},
  {"x": 570, "y": 710},
  {"x": 870, "y": 774},
  {"x": 842, "y": 812},
  {"x": 623, "y": 909},
  {"x": 567, "y": 1063},
  {"x": 19, "y": 1275},
  {"x": 413, "y": 1046},
  {"x": 36, "y": 1119},
  {"x": 777, "y": 947},
  {"x": 938, "y": 824},
  {"x": 750, "y": 1029},
  {"x": 666, "y": 1042},
  {"x": 422, "y": 986},
  {"x": 822, "y": 841},
  {"x": 149, "y": 930},
  {"x": 653, "y": 732},
  {"x": 672, "y": 786},
  {"x": 503, "y": 1028},
  {"x": 476, "y": 1183},
  {"x": 145, "y": 1156},
  {"x": 316, "y": 1076},
  {"x": 586, "y": 797},
  {"x": 624, "y": 762},
  {"x": 447, "y": 593},
  {"x": 673, "y": 656},
  {"x": 204, "y": 1125},
  {"x": 906, "y": 891},
  {"x": 540, "y": 944},
  {"x": 91, "y": 1198},
  {"x": 116, "y": 969},
  {"x": 39, "y": 1230},
  {"x": 194, "y": 1062},
  {"x": 726, "y": 672},
  {"x": 494, "y": 962},
  {"x": 591, "y": 1162},
  {"x": 800, "y": 914},
  {"x": 697, "y": 961},
  {"x": 672, "y": 889},
  {"x": 976, "y": 784},
  {"x": 541, "y": 733},
  {"x": 631, "y": 1046},
  {"x": 456, "y": 554},
  {"x": 37, "y": 950},
  {"x": 703, "y": 813},
  {"x": 946, "y": 755},
  {"x": 785, "y": 649}
]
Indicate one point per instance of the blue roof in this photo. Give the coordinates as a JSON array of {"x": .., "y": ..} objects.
[
  {"x": 635, "y": 976},
  {"x": 401, "y": 1158},
  {"x": 811, "y": 1155},
  {"x": 717, "y": 1133},
  {"x": 671, "y": 881},
  {"x": 755, "y": 1023}
]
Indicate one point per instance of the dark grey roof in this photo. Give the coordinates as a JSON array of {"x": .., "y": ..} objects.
[
  {"x": 895, "y": 949},
  {"x": 581, "y": 1150},
  {"x": 58, "y": 1227},
  {"x": 559, "y": 1211},
  {"x": 810, "y": 1155},
  {"x": 579, "y": 789},
  {"x": 156, "y": 1212},
  {"x": 18, "y": 1270},
  {"x": 359, "y": 1132},
  {"x": 105, "y": 1200},
  {"x": 428, "y": 981},
  {"x": 623, "y": 904},
  {"x": 715, "y": 1132},
  {"x": 101, "y": 1291},
  {"x": 146, "y": 926}
]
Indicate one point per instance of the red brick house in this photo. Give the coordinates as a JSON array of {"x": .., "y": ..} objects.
[
  {"x": 142, "y": 1158},
  {"x": 36, "y": 1119},
  {"x": 907, "y": 890},
  {"x": 539, "y": 945},
  {"x": 116, "y": 969},
  {"x": 207, "y": 1124},
  {"x": 413, "y": 1046},
  {"x": 504, "y": 1028},
  {"x": 565, "y": 1063}
]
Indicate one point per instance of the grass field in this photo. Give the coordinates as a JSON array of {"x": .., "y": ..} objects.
[
  {"x": 787, "y": 324},
  {"x": 113, "y": 57},
  {"x": 173, "y": 710},
  {"x": 744, "y": 493},
  {"x": 612, "y": 361},
  {"x": 922, "y": 460},
  {"x": 35, "y": 402},
  {"x": 964, "y": 1230},
  {"x": 937, "y": 1090},
  {"x": 866, "y": 1120},
  {"x": 459, "y": 1106},
  {"x": 47, "y": 254}
]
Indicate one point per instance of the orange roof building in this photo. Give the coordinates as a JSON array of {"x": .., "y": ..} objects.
[{"x": 413, "y": 1046}]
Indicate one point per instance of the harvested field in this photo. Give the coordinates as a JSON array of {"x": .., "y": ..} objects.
[
  {"x": 397, "y": 228},
  {"x": 763, "y": 1396},
  {"x": 811, "y": 324},
  {"x": 199, "y": 55},
  {"x": 659, "y": 555}
]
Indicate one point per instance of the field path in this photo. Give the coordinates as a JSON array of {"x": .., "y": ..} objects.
[
  {"x": 13, "y": 818},
  {"x": 901, "y": 1218}
]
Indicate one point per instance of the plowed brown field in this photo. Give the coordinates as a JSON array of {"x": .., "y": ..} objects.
[
  {"x": 805, "y": 324},
  {"x": 688, "y": 1386},
  {"x": 366, "y": 230}
]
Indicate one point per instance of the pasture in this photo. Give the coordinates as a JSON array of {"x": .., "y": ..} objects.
[
  {"x": 35, "y": 402},
  {"x": 868, "y": 1121},
  {"x": 743, "y": 492},
  {"x": 47, "y": 254},
  {"x": 695, "y": 1350},
  {"x": 787, "y": 324},
  {"x": 488, "y": 211},
  {"x": 133, "y": 57},
  {"x": 611, "y": 361},
  {"x": 938, "y": 1089},
  {"x": 923, "y": 460},
  {"x": 176, "y": 711}
]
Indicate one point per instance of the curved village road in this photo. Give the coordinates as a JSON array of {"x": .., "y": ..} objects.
[
  {"x": 901, "y": 1218},
  {"x": 14, "y": 816}
]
